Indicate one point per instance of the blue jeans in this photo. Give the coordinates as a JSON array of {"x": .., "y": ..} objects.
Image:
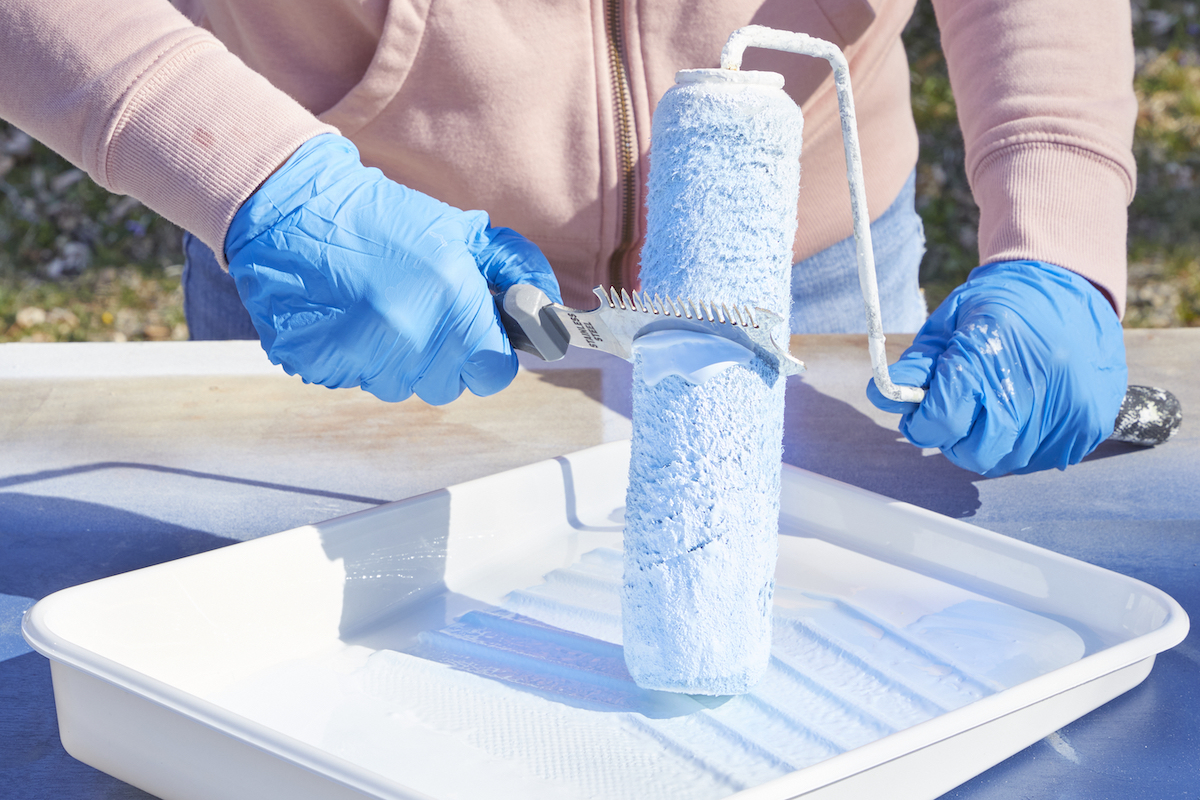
[
  {"x": 826, "y": 297},
  {"x": 825, "y": 293},
  {"x": 210, "y": 299}
]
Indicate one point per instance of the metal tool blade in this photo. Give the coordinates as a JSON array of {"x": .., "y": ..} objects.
[{"x": 544, "y": 328}]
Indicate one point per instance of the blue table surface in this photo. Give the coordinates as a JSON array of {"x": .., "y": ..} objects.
[{"x": 114, "y": 457}]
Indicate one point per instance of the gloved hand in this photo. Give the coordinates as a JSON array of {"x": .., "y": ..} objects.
[
  {"x": 354, "y": 280},
  {"x": 1024, "y": 369}
]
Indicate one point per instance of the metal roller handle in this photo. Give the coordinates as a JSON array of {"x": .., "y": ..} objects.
[
  {"x": 803, "y": 44},
  {"x": 1148, "y": 416}
]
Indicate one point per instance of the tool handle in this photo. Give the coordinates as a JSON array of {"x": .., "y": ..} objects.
[
  {"x": 524, "y": 311},
  {"x": 1148, "y": 416}
]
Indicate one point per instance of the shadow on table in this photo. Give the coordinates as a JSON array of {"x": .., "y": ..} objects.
[
  {"x": 47, "y": 544},
  {"x": 81, "y": 469},
  {"x": 50, "y": 543},
  {"x": 832, "y": 438},
  {"x": 33, "y": 763},
  {"x": 1110, "y": 448}
]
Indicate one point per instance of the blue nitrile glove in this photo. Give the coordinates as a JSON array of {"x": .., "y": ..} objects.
[
  {"x": 1024, "y": 369},
  {"x": 354, "y": 280}
]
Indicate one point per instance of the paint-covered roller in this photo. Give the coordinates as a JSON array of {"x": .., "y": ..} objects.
[{"x": 702, "y": 511}]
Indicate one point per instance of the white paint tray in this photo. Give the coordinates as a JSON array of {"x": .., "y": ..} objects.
[{"x": 425, "y": 649}]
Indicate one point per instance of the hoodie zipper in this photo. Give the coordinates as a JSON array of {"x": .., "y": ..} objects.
[{"x": 628, "y": 158}]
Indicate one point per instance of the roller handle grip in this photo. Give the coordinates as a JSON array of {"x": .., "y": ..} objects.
[{"x": 1148, "y": 416}]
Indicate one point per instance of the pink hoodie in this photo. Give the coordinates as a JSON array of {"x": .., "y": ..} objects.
[{"x": 519, "y": 109}]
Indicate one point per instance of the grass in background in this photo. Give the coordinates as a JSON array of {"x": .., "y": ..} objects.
[
  {"x": 76, "y": 262},
  {"x": 80, "y": 264},
  {"x": 1164, "y": 225}
]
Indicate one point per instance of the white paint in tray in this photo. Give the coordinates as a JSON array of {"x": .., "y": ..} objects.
[{"x": 532, "y": 698}]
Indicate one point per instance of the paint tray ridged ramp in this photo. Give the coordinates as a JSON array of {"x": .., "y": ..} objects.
[{"x": 466, "y": 644}]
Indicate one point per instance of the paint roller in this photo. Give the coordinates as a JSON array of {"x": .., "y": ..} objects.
[
  {"x": 702, "y": 506},
  {"x": 702, "y": 510}
]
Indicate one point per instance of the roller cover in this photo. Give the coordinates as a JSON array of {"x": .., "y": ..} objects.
[{"x": 702, "y": 511}]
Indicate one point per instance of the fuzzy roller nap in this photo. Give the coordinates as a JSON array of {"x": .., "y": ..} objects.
[{"x": 702, "y": 511}]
